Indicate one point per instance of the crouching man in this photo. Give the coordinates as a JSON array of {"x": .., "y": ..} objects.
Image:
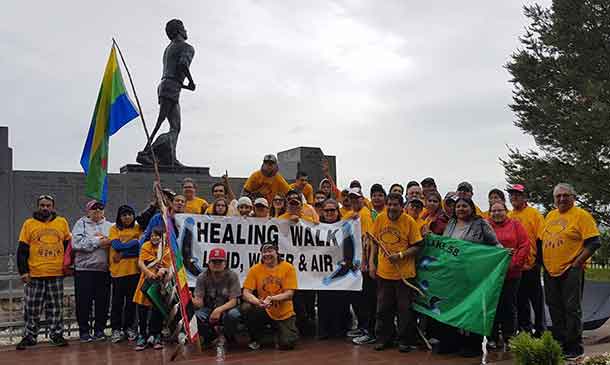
[
  {"x": 275, "y": 282},
  {"x": 216, "y": 293}
]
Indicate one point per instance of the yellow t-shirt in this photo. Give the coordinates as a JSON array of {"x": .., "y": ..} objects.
[
  {"x": 271, "y": 281},
  {"x": 126, "y": 266},
  {"x": 344, "y": 212},
  {"x": 307, "y": 191},
  {"x": 148, "y": 253},
  {"x": 366, "y": 221},
  {"x": 396, "y": 236},
  {"x": 268, "y": 187},
  {"x": 195, "y": 206},
  {"x": 532, "y": 221},
  {"x": 563, "y": 238},
  {"x": 303, "y": 215},
  {"x": 46, "y": 241}
]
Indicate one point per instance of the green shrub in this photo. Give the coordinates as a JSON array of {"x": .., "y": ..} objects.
[
  {"x": 603, "y": 359},
  {"x": 533, "y": 351}
]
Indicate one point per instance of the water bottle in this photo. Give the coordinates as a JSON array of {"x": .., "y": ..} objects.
[{"x": 220, "y": 350}]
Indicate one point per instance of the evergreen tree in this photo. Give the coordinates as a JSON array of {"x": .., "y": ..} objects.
[{"x": 561, "y": 97}]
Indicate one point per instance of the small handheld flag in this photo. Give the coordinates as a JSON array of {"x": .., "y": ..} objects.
[{"x": 113, "y": 110}]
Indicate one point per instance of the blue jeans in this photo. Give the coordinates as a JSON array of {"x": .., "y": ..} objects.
[{"x": 229, "y": 320}]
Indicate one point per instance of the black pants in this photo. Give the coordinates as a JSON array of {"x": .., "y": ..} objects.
[
  {"x": 506, "y": 313},
  {"x": 150, "y": 320},
  {"x": 394, "y": 299},
  {"x": 304, "y": 302},
  {"x": 333, "y": 313},
  {"x": 564, "y": 298},
  {"x": 123, "y": 311},
  {"x": 257, "y": 319},
  {"x": 365, "y": 304},
  {"x": 92, "y": 288},
  {"x": 530, "y": 293}
]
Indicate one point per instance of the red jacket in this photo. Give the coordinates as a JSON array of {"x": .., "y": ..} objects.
[{"x": 511, "y": 234}]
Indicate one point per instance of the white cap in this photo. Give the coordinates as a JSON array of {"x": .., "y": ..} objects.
[
  {"x": 355, "y": 191},
  {"x": 261, "y": 201},
  {"x": 244, "y": 200}
]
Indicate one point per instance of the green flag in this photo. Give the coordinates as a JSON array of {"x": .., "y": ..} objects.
[{"x": 462, "y": 282}]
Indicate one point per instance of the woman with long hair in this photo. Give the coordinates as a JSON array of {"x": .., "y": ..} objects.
[{"x": 278, "y": 206}]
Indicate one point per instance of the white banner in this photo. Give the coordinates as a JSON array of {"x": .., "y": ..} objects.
[{"x": 325, "y": 256}]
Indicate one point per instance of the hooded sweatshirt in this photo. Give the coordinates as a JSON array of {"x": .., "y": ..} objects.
[{"x": 88, "y": 255}]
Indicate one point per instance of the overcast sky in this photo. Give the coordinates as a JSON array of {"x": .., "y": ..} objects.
[{"x": 397, "y": 90}]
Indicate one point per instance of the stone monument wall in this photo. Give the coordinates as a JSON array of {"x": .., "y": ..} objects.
[{"x": 19, "y": 190}]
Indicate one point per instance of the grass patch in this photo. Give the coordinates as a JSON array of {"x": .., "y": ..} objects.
[{"x": 597, "y": 274}]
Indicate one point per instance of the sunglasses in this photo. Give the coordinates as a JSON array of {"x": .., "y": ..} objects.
[
  {"x": 294, "y": 202},
  {"x": 46, "y": 197},
  {"x": 331, "y": 210},
  {"x": 97, "y": 207}
]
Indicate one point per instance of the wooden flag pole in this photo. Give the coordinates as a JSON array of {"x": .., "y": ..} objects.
[{"x": 135, "y": 94}]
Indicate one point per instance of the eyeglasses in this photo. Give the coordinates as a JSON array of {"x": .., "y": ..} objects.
[{"x": 331, "y": 210}]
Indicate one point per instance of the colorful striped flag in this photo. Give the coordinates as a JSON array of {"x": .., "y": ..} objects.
[
  {"x": 189, "y": 320},
  {"x": 113, "y": 110}
]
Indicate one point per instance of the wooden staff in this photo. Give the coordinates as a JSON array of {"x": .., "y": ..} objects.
[{"x": 387, "y": 253}]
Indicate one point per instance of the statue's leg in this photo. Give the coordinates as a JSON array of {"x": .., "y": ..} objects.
[
  {"x": 165, "y": 108},
  {"x": 175, "y": 122}
]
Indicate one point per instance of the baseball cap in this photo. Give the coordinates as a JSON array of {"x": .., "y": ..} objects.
[
  {"x": 516, "y": 187},
  {"x": 261, "y": 201},
  {"x": 428, "y": 181},
  {"x": 270, "y": 157},
  {"x": 217, "y": 254},
  {"x": 355, "y": 191},
  {"x": 244, "y": 200},
  {"x": 269, "y": 245},
  {"x": 451, "y": 196},
  {"x": 464, "y": 186},
  {"x": 92, "y": 204}
]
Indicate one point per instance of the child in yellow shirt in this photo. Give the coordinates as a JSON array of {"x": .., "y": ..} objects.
[{"x": 154, "y": 266}]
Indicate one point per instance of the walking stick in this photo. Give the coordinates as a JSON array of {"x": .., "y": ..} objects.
[{"x": 387, "y": 253}]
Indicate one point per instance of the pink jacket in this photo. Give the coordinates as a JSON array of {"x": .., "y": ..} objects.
[{"x": 511, "y": 234}]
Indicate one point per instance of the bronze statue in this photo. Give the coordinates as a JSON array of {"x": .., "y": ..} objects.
[{"x": 176, "y": 61}]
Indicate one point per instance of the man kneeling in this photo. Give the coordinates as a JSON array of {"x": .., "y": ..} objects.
[
  {"x": 275, "y": 282},
  {"x": 216, "y": 293}
]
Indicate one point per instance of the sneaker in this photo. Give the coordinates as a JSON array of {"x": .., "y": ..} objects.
[
  {"x": 364, "y": 340},
  {"x": 356, "y": 333},
  {"x": 59, "y": 341},
  {"x": 131, "y": 335},
  {"x": 99, "y": 336},
  {"x": 26, "y": 342},
  {"x": 141, "y": 343},
  {"x": 117, "y": 336},
  {"x": 157, "y": 343},
  {"x": 253, "y": 345},
  {"x": 382, "y": 346},
  {"x": 406, "y": 348},
  {"x": 85, "y": 337},
  {"x": 574, "y": 355}
]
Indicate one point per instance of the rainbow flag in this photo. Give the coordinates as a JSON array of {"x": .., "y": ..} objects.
[{"x": 113, "y": 110}]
